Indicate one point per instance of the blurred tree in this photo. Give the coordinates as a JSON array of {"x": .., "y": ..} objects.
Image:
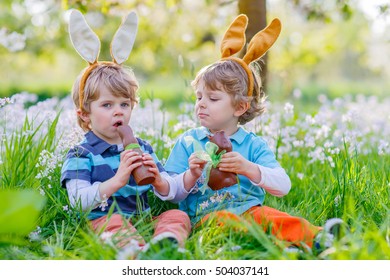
[{"x": 256, "y": 10}]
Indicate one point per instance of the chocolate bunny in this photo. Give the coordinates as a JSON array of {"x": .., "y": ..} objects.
[
  {"x": 220, "y": 179},
  {"x": 141, "y": 174}
]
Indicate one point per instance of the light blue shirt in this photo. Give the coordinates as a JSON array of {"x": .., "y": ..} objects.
[{"x": 237, "y": 198}]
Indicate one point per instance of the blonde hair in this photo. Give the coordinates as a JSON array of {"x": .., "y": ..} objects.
[
  {"x": 233, "y": 79},
  {"x": 119, "y": 80}
]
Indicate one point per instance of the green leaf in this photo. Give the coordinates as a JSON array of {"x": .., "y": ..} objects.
[{"x": 19, "y": 210}]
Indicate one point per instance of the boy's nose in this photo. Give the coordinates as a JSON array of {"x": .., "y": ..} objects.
[
  {"x": 118, "y": 110},
  {"x": 201, "y": 103}
]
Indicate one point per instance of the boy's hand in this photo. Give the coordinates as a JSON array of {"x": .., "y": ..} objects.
[
  {"x": 196, "y": 168},
  {"x": 159, "y": 183},
  {"x": 128, "y": 162},
  {"x": 196, "y": 165},
  {"x": 236, "y": 163},
  {"x": 148, "y": 160}
]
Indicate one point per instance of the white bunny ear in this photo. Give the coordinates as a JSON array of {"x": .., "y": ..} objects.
[
  {"x": 84, "y": 40},
  {"x": 124, "y": 38}
]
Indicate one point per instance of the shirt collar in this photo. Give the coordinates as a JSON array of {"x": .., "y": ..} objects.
[
  {"x": 238, "y": 137},
  {"x": 99, "y": 144},
  {"x": 202, "y": 133}
]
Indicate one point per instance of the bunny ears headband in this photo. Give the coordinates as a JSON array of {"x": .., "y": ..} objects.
[
  {"x": 234, "y": 40},
  {"x": 87, "y": 43}
]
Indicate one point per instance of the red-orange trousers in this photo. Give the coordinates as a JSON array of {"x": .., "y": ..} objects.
[
  {"x": 172, "y": 223},
  {"x": 285, "y": 227}
]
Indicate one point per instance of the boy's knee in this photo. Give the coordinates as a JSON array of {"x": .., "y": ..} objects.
[
  {"x": 176, "y": 215},
  {"x": 183, "y": 215}
]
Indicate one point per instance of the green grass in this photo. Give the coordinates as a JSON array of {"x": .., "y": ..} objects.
[{"x": 355, "y": 189}]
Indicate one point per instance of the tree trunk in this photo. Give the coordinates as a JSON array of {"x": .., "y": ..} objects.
[{"x": 256, "y": 12}]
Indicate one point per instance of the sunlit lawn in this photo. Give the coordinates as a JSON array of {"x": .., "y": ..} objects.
[{"x": 337, "y": 159}]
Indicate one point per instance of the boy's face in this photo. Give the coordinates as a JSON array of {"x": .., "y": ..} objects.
[
  {"x": 215, "y": 110},
  {"x": 106, "y": 114}
]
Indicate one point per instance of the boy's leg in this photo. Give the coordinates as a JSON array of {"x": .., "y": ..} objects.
[
  {"x": 173, "y": 223},
  {"x": 284, "y": 226},
  {"x": 220, "y": 217},
  {"x": 118, "y": 228}
]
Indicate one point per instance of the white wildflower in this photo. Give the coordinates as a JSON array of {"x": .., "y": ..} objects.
[
  {"x": 13, "y": 42},
  {"x": 288, "y": 111},
  {"x": 104, "y": 203},
  {"x": 16, "y": 42},
  {"x": 204, "y": 204},
  {"x": 4, "y": 101},
  {"x": 383, "y": 147},
  {"x": 337, "y": 200},
  {"x": 297, "y": 93},
  {"x": 108, "y": 238},
  {"x": 35, "y": 235},
  {"x": 47, "y": 163},
  {"x": 236, "y": 248},
  {"x": 322, "y": 98}
]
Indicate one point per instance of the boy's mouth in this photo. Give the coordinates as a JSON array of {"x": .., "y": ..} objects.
[{"x": 118, "y": 123}]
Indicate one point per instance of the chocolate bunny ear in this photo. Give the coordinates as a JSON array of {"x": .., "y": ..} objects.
[
  {"x": 124, "y": 38},
  {"x": 84, "y": 40}
]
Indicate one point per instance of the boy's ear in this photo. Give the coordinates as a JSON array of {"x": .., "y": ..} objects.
[
  {"x": 241, "y": 108},
  {"x": 83, "y": 115}
]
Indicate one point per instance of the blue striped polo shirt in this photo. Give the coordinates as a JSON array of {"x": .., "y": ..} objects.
[{"x": 95, "y": 160}]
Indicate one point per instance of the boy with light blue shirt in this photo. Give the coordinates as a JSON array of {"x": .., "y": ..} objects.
[{"x": 229, "y": 94}]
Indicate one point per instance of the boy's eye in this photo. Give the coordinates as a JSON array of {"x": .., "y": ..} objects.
[
  {"x": 107, "y": 105},
  {"x": 125, "y": 105}
]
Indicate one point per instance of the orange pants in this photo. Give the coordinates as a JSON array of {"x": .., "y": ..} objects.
[
  {"x": 285, "y": 227},
  {"x": 172, "y": 223}
]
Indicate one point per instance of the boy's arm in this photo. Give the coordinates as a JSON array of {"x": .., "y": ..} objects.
[
  {"x": 186, "y": 181},
  {"x": 162, "y": 185},
  {"x": 81, "y": 191},
  {"x": 173, "y": 187},
  {"x": 181, "y": 192},
  {"x": 179, "y": 166},
  {"x": 274, "y": 180},
  {"x": 262, "y": 169},
  {"x": 177, "y": 192}
]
